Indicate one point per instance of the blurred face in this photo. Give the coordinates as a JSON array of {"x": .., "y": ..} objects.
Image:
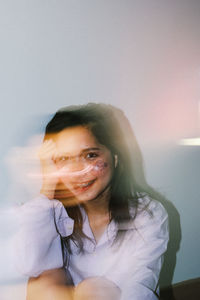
[{"x": 85, "y": 166}]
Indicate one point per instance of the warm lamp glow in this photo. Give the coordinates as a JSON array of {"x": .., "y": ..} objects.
[{"x": 190, "y": 142}]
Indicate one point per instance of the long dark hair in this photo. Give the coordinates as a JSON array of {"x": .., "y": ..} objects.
[{"x": 111, "y": 128}]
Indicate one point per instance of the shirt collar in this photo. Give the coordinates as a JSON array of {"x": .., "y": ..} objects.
[{"x": 109, "y": 233}]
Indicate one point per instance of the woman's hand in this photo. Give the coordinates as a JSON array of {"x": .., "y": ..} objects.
[{"x": 47, "y": 154}]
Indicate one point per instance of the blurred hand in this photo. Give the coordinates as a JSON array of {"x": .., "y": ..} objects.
[{"x": 47, "y": 154}]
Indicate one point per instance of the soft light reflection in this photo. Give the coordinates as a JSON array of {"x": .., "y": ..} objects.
[{"x": 190, "y": 142}]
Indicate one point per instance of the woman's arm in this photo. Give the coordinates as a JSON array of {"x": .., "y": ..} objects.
[
  {"x": 138, "y": 269},
  {"x": 41, "y": 222},
  {"x": 37, "y": 242}
]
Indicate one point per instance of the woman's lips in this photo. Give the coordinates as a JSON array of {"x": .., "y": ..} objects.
[{"x": 83, "y": 185}]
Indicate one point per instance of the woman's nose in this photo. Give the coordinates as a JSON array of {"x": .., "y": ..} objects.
[{"x": 76, "y": 164}]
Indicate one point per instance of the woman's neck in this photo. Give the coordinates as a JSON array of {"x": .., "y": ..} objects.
[{"x": 98, "y": 213}]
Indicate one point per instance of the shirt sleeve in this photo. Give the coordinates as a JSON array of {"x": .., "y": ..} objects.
[
  {"x": 138, "y": 270},
  {"x": 41, "y": 224}
]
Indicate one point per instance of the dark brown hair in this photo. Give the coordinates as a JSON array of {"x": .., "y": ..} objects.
[{"x": 112, "y": 129}]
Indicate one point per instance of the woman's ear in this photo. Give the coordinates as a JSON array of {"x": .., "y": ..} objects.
[{"x": 115, "y": 160}]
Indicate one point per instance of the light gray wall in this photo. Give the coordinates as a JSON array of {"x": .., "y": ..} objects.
[{"x": 142, "y": 56}]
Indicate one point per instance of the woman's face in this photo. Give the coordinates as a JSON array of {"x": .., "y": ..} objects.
[{"x": 85, "y": 166}]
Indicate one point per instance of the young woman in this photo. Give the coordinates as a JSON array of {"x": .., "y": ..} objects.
[{"x": 92, "y": 233}]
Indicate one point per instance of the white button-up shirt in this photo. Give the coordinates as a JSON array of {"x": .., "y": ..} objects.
[{"x": 133, "y": 264}]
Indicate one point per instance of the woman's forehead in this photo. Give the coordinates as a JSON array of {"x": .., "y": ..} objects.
[{"x": 75, "y": 139}]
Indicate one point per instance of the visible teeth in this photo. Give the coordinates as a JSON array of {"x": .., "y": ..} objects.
[{"x": 84, "y": 184}]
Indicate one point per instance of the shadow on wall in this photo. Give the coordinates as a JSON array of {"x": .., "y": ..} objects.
[{"x": 169, "y": 264}]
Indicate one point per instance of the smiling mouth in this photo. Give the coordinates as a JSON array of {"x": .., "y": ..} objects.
[{"x": 83, "y": 185}]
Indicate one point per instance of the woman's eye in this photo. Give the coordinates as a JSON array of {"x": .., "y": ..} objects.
[{"x": 91, "y": 155}]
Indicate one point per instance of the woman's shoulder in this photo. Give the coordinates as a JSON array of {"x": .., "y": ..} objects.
[
  {"x": 145, "y": 213},
  {"x": 148, "y": 210},
  {"x": 147, "y": 205}
]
